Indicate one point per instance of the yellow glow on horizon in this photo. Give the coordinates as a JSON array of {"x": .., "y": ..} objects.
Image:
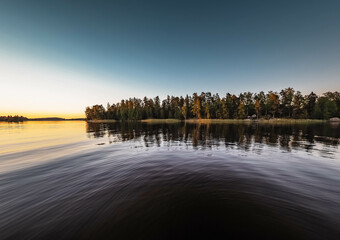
[
  {"x": 34, "y": 89},
  {"x": 43, "y": 115}
]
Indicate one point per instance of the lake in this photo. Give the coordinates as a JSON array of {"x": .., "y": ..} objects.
[{"x": 78, "y": 180}]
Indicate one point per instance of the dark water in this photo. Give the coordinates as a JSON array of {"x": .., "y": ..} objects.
[{"x": 138, "y": 181}]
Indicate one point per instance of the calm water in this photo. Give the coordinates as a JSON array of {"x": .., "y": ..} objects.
[{"x": 139, "y": 181}]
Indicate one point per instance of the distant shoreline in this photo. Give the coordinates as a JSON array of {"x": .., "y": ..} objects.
[
  {"x": 44, "y": 119},
  {"x": 56, "y": 119}
]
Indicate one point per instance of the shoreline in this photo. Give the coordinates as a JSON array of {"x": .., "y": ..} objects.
[
  {"x": 194, "y": 121},
  {"x": 215, "y": 121}
]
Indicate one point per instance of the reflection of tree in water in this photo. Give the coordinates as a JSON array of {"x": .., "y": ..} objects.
[
  {"x": 96, "y": 130},
  {"x": 242, "y": 136}
]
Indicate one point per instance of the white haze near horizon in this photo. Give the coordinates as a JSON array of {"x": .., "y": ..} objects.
[{"x": 36, "y": 89}]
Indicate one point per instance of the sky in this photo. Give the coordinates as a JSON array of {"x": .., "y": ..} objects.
[{"x": 57, "y": 57}]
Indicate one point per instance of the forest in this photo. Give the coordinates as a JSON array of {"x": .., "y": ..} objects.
[
  {"x": 15, "y": 118},
  {"x": 288, "y": 103}
]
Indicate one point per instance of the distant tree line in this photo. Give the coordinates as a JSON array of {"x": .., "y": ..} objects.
[
  {"x": 15, "y": 118},
  {"x": 288, "y": 103}
]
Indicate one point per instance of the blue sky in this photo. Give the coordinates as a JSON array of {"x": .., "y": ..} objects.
[{"x": 57, "y": 57}]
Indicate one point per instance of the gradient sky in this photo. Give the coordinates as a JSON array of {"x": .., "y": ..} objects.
[{"x": 57, "y": 57}]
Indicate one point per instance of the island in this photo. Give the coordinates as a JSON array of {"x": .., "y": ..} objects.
[{"x": 287, "y": 105}]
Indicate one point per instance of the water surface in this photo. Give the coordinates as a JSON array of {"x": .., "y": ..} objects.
[{"x": 172, "y": 181}]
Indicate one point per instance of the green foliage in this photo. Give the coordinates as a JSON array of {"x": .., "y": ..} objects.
[
  {"x": 241, "y": 111},
  {"x": 287, "y": 96},
  {"x": 287, "y": 104},
  {"x": 325, "y": 108}
]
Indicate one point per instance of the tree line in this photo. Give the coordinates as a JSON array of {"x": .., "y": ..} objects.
[
  {"x": 288, "y": 103},
  {"x": 15, "y": 118}
]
